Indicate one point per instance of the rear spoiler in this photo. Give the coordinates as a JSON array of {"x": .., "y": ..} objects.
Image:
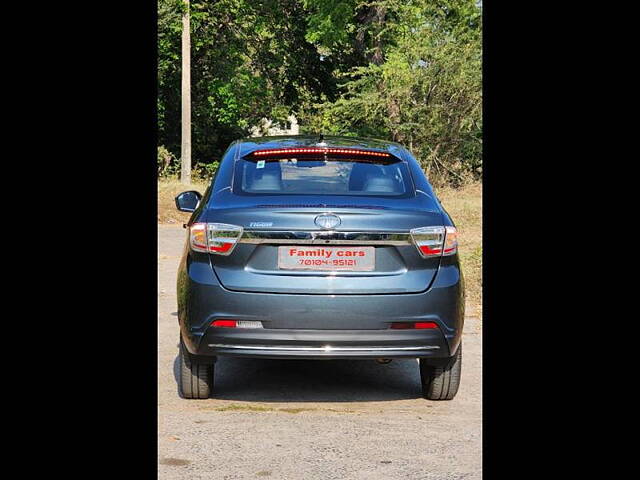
[{"x": 371, "y": 155}]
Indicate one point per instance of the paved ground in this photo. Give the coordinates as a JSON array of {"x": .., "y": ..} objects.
[{"x": 311, "y": 419}]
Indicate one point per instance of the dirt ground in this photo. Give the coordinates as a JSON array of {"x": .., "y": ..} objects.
[{"x": 303, "y": 419}]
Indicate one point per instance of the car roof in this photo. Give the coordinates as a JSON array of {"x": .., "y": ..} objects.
[{"x": 249, "y": 144}]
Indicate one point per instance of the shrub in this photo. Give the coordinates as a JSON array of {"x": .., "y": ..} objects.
[{"x": 168, "y": 164}]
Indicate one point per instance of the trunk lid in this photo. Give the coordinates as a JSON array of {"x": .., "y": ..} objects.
[{"x": 273, "y": 221}]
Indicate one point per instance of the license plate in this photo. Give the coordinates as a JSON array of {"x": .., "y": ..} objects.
[{"x": 330, "y": 259}]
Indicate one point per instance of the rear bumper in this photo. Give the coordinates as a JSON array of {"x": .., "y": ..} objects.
[
  {"x": 319, "y": 326},
  {"x": 322, "y": 344}
]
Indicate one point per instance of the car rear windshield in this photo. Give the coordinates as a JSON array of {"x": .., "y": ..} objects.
[{"x": 322, "y": 176}]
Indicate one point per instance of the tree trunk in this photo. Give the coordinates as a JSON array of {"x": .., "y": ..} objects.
[
  {"x": 185, "y": 175},
  {"x": 371, "y": 19}
]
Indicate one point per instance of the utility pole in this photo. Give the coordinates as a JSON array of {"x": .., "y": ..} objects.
[{"x": 185, "y": 153}]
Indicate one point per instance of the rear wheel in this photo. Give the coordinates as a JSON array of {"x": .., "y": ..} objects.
[
  {"x": 196, "y": 380},
  {"x": 441, "y": 382}
]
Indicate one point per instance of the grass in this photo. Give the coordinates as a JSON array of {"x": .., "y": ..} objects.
[{"x": 463, "y": 204}]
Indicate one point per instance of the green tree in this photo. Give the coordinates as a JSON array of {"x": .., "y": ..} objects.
[
  {"x": 249, "y": 60},
  {"x": 405, "y": 70},
  {"x": 426, "y": 93}
]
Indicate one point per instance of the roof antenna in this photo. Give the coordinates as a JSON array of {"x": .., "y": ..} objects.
[{"x": 321, "y": 141}]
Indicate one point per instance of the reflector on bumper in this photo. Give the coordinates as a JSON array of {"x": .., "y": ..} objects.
[{"x": 236, "y": 324}]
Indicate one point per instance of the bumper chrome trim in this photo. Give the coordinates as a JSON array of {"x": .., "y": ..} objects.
[{"x": 326, "y": 348}]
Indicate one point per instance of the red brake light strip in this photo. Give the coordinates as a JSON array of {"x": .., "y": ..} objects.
[{"x": 349, "y": 151}]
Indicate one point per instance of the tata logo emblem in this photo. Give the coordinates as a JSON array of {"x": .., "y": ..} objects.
[{"x": 328, "y": 221}]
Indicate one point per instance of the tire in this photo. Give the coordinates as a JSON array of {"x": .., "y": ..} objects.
[
  {"x": 196, "y": 380},
  {"x": 441, "y": 382}
]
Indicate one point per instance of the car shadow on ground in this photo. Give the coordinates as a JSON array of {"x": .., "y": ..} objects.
[{"x": 260, "y": 380}]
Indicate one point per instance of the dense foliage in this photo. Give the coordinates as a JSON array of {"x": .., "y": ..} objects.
[{"x": 408, "y": 71}]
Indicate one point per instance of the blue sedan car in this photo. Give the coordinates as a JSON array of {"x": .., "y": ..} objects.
[{"x": 319, "y": 248}]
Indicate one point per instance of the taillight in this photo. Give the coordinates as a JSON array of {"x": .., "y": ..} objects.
[
  {"x": 450, "y": 241},
  {"x": 435, "y": 241},
  {"x": 216, "y": 238}
]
